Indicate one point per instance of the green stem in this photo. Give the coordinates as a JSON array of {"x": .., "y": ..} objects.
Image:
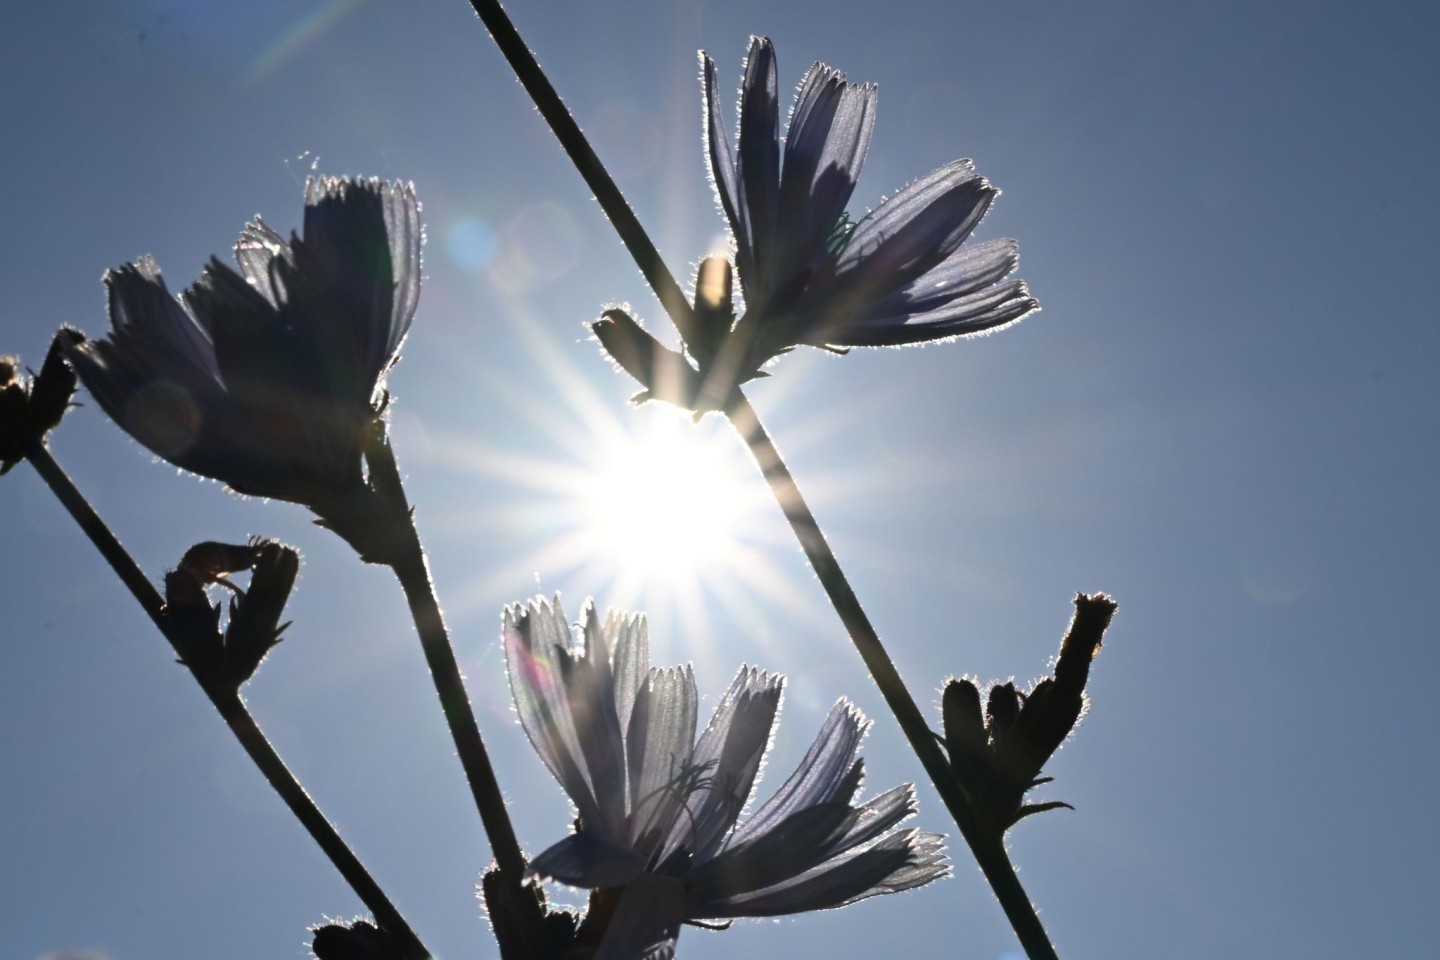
[
  {"x": 232, "y": 709},
  {"x": 988, "y": 848}
]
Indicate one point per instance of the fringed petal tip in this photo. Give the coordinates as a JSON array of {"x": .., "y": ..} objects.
[{"x": 320, "y": 187}]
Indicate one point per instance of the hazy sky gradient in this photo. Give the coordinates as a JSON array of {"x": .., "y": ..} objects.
[{"x": 1225, "y": 416}]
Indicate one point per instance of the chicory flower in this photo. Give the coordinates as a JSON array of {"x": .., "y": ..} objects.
[
  {"x": 900, "y": 275},
  {"x": 658, "y": 810},
  {"x": 269, "y": 379}
]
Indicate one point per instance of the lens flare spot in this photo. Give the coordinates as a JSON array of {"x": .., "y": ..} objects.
[
  {"x": 539, "y": 245},
  {"x": 470, "y": 243},
  {"x": 164, "y": 417}
]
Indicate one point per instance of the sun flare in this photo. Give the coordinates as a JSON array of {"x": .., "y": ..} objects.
[{"x": 664, "y": 504}]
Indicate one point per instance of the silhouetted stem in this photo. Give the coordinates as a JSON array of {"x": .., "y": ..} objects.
[
  {"x": 232, "y": 709},
  {"x": 597, "y": 178},
  {"x": 414, "y": 574},
  {"x": 989, "y": 849}
]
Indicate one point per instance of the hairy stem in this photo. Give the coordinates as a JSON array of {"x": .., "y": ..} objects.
[
  {"x": 413, "y": 572},
  {"x": 231, "y": 708},
  {"x": 596, "y": 177}
]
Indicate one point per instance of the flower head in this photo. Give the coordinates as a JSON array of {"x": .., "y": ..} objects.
[
  {"x": 269, "y": 378},
  {"x": 809, "y": 274},
  {"x": 658, "y": 810}
]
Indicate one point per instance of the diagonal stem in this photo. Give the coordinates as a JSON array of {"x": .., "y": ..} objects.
[
  {"x": 231, "y": 707},
  {"x": 521, "y": 932},
  {"x": 413, "y": 572},
  {"x": 989, "y": 851},
  {"x": 596, "y": 177}
]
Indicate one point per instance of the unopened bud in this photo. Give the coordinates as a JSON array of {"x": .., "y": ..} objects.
[
  {"x": 964, "y": 728},
  {"x": 14, "y": 414},
  {"x": 255, "y": 626},
  {"x": 192, "y": 623},
  {"x": 714, "y": 310},
  {"x": 54, "y": 385}
]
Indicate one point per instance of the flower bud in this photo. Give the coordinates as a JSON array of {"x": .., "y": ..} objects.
[
  {"x": 357, "y": 940},
  {"x": 714, "y": 309},
  {"x": 192, "y": 623},
  {"x": 14, "y": 415},
  {"x": 224, "y": 661},
  {"x": 31, "y": 408},
  {"x": 54, "y": 385},
  {"x": 255, "y": 626}
]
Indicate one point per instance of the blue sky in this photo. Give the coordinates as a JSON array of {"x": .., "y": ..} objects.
[{"x": 1224, "y": 416}]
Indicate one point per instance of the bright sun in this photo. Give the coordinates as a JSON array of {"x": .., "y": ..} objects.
[
  {"x": 641, "y": 508},
  {"x": 664, "y": 504}
]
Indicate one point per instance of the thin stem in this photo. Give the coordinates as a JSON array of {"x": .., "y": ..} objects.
[
  {"x": 597, "y": 178},
  {"x": 413, "y": 572},
  {"x": 232, "y": 709},
  {"x": 989, "y": 851}
]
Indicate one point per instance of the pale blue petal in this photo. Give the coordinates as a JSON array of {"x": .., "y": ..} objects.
[
  {"x": 255, "y": 252},
  {"x": 354, "y": 281},
  {"x": 758, "y": 167},
  {"x": 987, "y": 310},
  {"x": 407, "y": 238},
  {"x": 629, "y": 636},
  {"x": 838, "y": 169},
  {"x": 789, "y": 849},
  {"x": 728, "y": 755},
  {"x": 153, "y": 332},
  {"x": 157, "y": 346},
  {"x": 970, "y": 269},
  {"x": 658, "y": 745},
  {"x": 877, "y": 816},
  {"x": 910, "y": 233},
  {"x": 829, "y": 128},
  {"x": 587, "y": 860},
  {"x": 825, "y": 774},
  {"x": 536, "y": 639},
  {"x": 591, "y": 685},
  {"x": 722, "y": 162},
  {"x": 900, "y": 861}
]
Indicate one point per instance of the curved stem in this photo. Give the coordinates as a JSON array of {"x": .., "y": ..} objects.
[
  {"x": 231, "y": 708},
  {"x": 989, "y": 849}
]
